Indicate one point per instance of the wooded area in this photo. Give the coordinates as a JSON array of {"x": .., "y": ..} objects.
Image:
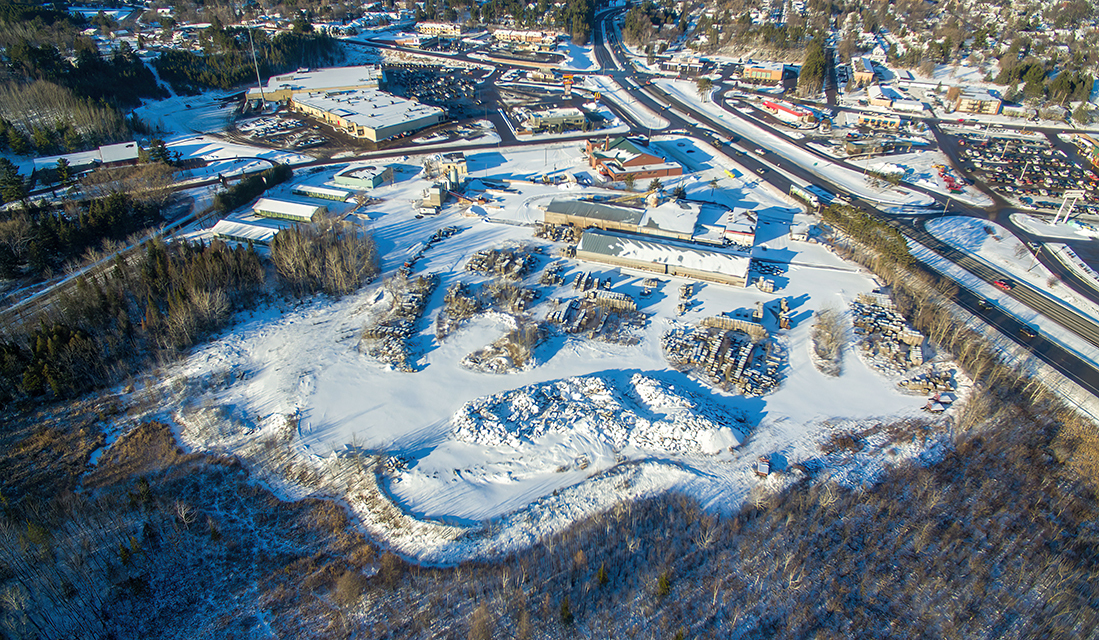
[{"x": 226, "y": 60}]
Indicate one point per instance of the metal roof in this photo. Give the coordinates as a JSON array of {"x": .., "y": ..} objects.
[
  {"x": 674, "y": 254},
  {"x": 597, "y": 210}
]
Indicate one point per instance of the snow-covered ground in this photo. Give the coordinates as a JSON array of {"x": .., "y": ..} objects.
[
  {"x": 469, "y": 444},
  {"x": 1072, "y": 230},
  {"x": 919, "y": 169},
  {"x": 228, "y": 158},
  {"x": 207, "y": 112},
  {"x": 850, "y": 180},
  {"x": 577, "y": 58},
  {"x": 997, "y": 247},
  {"x": 639, "y": 113}
]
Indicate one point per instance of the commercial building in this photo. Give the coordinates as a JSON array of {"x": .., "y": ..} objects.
[
  {"x": 108, "y": 155},
  {"x": 876, "y": 147},
  {"x": 879, "y": 121},
  {"x": 666, "y": 257},
  {"x": 686, "y": 65},
  {"x": 623, "y": 157},
  {"x": 449, "y": 29},
  {"x": 879, "y": 96},
  {"x": 1089, "y": 147},
  {"x": 764, "y": 72},
  {"x": 367, "y": 113},
  {"x": 364, "y": 177},
  {"x": 283, "y": 210},
  {"x": 411, "y": 40},
  {"x": 789, "y": 112},
  {"x": 282, "y": 87},
  {"x": 558, "y": 119},
  {"x": 740, "y": 228},
  {"x": 974, "y": 101},
  {"x": 537, "y": 39}
]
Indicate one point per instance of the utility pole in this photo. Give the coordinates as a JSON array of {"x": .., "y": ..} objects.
[{"x": 255, "y": 63}]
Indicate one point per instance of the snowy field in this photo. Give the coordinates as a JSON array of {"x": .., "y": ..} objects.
[
  {"x": 207, "y": 112},
  {"x": 486, "y": 463},
  {"x": 228, "y": 158},
  {"x": 577, "y": 58}
]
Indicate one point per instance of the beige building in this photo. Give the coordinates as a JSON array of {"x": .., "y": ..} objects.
[
  {"x": 974, "y": 101},
  {"x": 864, "y": 71},
  {"x": 370, "y": 114},
  {"x": 440, "y": 28},
  {"x": 454, "y": 162}
]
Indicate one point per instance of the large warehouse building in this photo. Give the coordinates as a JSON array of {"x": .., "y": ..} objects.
[
  {"x": 664, "y": 257},
  {"x": 284, "y": 210},
  {"x": 674, "y": 219},
  {"x": 351, "y": 100},
  {"x": 367, "y": 113}
]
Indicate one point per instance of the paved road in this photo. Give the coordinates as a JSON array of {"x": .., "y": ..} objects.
[
  {"x": 684, "y": 118},
  {"x": 1072, "y": 366}
]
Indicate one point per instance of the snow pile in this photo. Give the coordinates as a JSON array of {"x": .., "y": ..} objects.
[{"x": 647, "y": 415}]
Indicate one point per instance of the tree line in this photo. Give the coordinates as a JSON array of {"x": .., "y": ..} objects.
[
  {"x": 866, "y": 229},
  {"x": 247, "y": 189},
  {"x": 36, "y": 241},
  {"x": 226, "y": 59},
  {"x": 148, "y": 304}
]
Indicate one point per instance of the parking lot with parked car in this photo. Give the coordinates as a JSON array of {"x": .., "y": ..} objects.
[{"x": 1029, "y": 171}]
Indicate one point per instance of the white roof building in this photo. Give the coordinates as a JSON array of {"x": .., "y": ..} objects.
[
  {"x": 281, "y": 87},
  {"x": 674, "y": 218},
  {"x": 271, "y": 208},
  {"x": 249, "y": 229},
  {"x": 368, "y": 113},
  {"x": 664, "y": 256}
]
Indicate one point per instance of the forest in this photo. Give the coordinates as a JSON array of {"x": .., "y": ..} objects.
[
  {"x": 61, "y": 94},
  {"x": 149, "y": 303},
  {"x": 226, "y": 60}
]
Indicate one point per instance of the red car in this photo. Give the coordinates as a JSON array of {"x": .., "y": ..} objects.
[{"x": 1006, "y": 285}]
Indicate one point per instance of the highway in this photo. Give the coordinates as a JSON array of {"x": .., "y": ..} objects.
[{"x": 684, "y": 118}]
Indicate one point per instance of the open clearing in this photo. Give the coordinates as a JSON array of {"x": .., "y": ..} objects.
[{"x": 476, "y": 464}]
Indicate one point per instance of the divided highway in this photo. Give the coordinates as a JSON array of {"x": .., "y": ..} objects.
[{"x": 1074, "y": 367}]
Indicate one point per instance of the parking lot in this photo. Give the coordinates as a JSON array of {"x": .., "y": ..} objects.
[
  {"x": 289, "y": 133},
  {"x": 451, "y": 89},
  {"x": 1031, "y": 172}
]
